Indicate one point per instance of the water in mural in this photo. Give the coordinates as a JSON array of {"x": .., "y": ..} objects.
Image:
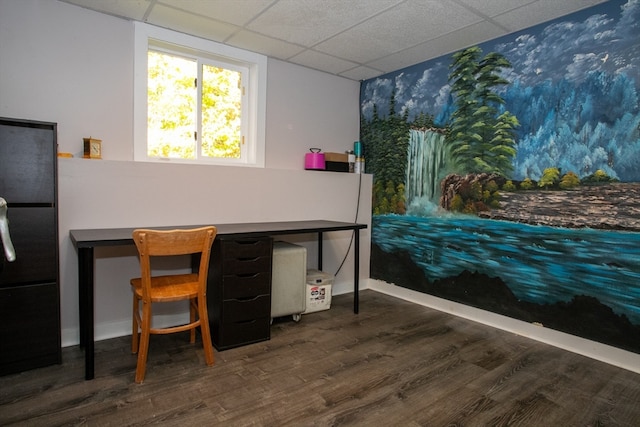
[
  {"x": 425, "y": 163},
  {"x": 539, "y": 264}
]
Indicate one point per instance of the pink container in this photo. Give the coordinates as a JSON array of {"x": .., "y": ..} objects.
[{"x": 314, "y": 160}]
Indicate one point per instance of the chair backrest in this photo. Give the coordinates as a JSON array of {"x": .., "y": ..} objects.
[{"x": 151, "y": 243}]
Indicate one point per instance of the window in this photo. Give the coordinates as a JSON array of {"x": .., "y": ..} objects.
[{"x": 197, "y": 101}]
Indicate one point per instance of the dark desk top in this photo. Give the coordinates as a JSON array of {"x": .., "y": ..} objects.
[{"x": 122, "y": 236}]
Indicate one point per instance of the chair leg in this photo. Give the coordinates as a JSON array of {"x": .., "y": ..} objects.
[
  {"x": 192, "y": 318},
  {"x": 204, "y": 329},
  {"x": 135, "y": 337},
  {"x": 144, "y": 342}
]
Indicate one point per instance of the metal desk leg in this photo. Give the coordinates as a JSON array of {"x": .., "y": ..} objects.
[
  {"x": 82, "y": 297},
  {"x": 356, "y": 268},
  {"x": 85, "y": 291},
  {"x": 320, "y": 250}
]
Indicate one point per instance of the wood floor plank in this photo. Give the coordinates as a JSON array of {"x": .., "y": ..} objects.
[{"x": 395, "y": 363}]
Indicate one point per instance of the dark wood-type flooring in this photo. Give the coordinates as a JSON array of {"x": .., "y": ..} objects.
[{"x": 394, "y": 364}]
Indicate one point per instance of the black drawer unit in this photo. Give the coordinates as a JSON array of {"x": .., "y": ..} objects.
[
  {"x": 239, "y": 291},
  {"x": 29, "y": 284}
]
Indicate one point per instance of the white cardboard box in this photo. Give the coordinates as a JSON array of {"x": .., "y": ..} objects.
[{"x": 318, "y": 296}]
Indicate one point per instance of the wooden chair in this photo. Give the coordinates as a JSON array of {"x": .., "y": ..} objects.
[{"x": 148, "y": 289}]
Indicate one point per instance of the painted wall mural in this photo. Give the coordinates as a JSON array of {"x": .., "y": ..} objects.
[{"x": 507, "y": 175}]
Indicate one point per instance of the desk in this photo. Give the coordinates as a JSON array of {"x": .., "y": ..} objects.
[{"x": 86, "y": 240}]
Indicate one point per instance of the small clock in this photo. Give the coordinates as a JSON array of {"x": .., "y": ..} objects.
[{"x": 92, "y": 148}]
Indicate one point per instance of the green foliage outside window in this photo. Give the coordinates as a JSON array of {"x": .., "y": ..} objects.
[
  {"x": 221, "y": 107},
  {"x": 172, "y": 109},
  {"x": 171, "y": 115}
]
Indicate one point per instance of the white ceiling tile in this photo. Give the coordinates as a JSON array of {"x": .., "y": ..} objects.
[
  {"x": 540, "y": 11},
  {"x": 452, "y": 42},
  {"x": 361, "y": 73},
  {"x": 492, "y": 8},
  {"x": 320, "y": 61},
  {"x": 133, "y": 9},
  {"x": 307, "y": 22},
  {"x": 407, "y": 25},
  {"x": 267, "y": 46},
  {"x": 192, "y": 24},
  {"x": 237, "y": 12}
]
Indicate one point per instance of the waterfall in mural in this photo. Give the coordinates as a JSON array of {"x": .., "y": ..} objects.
[{"x": 425, "y": 164}]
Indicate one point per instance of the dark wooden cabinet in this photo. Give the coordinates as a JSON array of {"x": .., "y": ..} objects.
[
  {"x": 239, "y": 291},
  {"x": 29, "y": 290}
]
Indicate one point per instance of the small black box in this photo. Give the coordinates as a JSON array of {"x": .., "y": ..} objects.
[{"x": 337, "y": 166}]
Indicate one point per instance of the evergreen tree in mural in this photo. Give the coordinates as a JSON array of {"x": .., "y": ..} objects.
[
  {"x": 481, "y": 136},
  {"x": 385, "y": 149}
]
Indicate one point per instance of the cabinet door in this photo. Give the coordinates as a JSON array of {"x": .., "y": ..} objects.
[
  {"x": 30, "y": 333},
  {"x": 34, "y": 235},
  {"x": 27, "y": 162}
]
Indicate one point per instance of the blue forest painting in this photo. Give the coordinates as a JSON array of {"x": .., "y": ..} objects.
[{"x": 507, "y": 175}]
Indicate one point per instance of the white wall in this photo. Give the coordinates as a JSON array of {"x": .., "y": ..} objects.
[
  {"x": 307, "y": 108},
  {"x": 64, "y": 64}
]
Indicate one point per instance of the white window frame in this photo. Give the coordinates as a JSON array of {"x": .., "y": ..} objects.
[{"x": 256, "y": 89}]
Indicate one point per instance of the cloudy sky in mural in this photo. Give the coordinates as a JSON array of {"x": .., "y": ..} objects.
[{"x": 603, "y": 38}]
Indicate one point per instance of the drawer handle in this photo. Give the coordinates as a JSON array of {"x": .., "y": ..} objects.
[
  {"x": 248, "y": 242},
  {"x": 248, "y": 298},
  {"x": 248, "y": 259},
  {"x": 248, "y": 275},
  {"x": 245, "y": 322}
]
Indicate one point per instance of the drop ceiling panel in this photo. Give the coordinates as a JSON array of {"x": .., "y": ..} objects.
[
  {"x": 449, "y": 43},
  {"x": 236, "y": 12},
  {"x": 406, "y": 25},
  {"x": 357, "y": 39},
  {"x": 361, "y": 73},
  {"x": 321, "y": 61},
  {"x": 185, "y": 22},
  {"x": 491, "y": 8},
  {"x": 308, "y": 22},
  {"x": 539, "y": 12},
  {"x": 249, "y": 40},
  {"x": 132, "y": 9}
]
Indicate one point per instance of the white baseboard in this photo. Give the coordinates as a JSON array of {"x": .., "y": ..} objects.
[
  {"x": 602, "y": 352},
  {"x": 105, "y": 331}
]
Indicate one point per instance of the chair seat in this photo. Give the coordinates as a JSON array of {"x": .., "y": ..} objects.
[{"x": 169, "y": 288}]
